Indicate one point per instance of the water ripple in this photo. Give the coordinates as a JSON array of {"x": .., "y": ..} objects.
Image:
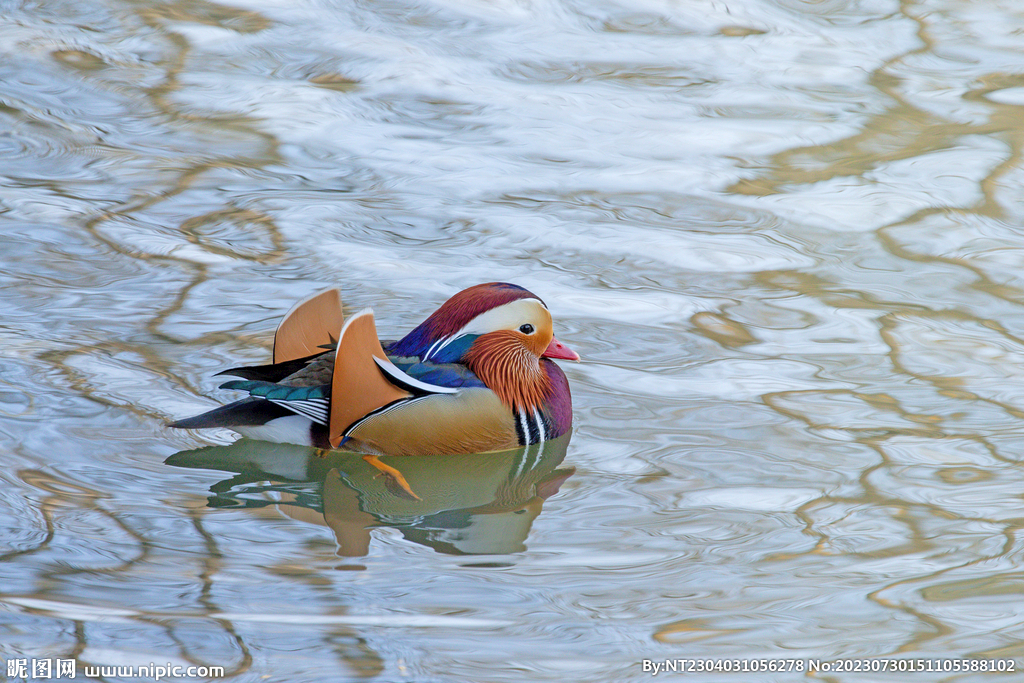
[{"x": 783, "y": 235}]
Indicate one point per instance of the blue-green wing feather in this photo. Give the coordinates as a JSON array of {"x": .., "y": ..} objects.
[
  {"x": 448, "y": 375},
  {"x": 312, "y": 402}
]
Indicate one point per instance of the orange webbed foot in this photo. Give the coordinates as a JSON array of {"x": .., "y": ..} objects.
[{"x": 396, "y": 482}]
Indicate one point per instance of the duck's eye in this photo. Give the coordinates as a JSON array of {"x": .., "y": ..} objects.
[{"x": 526, "y": 329}]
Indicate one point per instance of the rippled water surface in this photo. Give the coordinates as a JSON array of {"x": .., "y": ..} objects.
[{"x": 784, "y": 235}]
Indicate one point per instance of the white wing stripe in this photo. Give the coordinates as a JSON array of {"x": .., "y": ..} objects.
[
  {"x": 315, "y": 408},
  {"x": 394, "y": 372},
  {"x": 435, "y": 347}
]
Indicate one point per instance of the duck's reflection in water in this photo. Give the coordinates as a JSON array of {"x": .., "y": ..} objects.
[{"x": 480, "y": 503}]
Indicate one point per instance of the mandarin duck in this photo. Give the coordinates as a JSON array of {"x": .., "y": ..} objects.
[{"x": 475, "y": 376}]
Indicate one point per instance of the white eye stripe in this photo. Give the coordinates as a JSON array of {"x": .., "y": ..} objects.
[{"x": 506, "y": 317}]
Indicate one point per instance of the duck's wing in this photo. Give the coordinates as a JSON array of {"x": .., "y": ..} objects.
[
  {"x": 308, "y": 330},
  {"x": 359, "y": 385},
  {"x": 334, "y": 390},
  {"x": 310, "y": 326},
  {"x": 312, "y": 402}
]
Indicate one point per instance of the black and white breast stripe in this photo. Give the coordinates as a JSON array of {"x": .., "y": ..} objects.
[{"x": 530, "y": 427}]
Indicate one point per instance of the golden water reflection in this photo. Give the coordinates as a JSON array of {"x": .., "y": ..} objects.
[{"x": 480, "y": 503}]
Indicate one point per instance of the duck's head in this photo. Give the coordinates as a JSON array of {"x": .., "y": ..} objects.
[{"x": 481, "y": 316}]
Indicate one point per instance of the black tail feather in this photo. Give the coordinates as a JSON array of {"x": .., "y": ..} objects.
[
  {"x": 272, "y": 372},
  {"x": 245, "y": 413}
]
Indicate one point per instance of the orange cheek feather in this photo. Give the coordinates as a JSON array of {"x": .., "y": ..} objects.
[{"x": 509, "y": 369}]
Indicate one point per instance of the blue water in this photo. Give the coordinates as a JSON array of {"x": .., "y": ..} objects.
[{"x": 784, "y": 236}]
